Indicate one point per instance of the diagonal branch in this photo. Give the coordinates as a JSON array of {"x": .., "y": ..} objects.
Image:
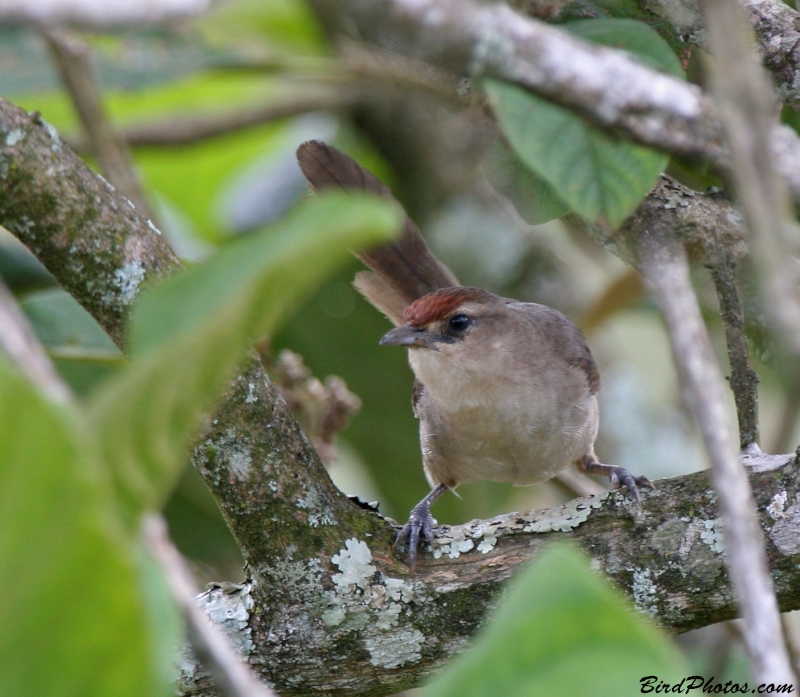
[
  {"x": 666, "y": 270},
  {"x": 607, "y": 87},
  {"x": 19, "y": 343},
  {"x": 303, "y": 625},
  {"x": 72, "y": 59}
]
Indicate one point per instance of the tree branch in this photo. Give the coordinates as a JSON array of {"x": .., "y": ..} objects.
[
  {"x": 330, "y": 609},
  {"x": 231, "y": 676},
  {"x": 91, "y": 238},
  {"x": 607, "y": 87},
  {"x": 666, "y": 270},
  {"x": 71, "y": 58},
  {"x": 743, "y": 378},
  {"x": 776, "y": 26}
]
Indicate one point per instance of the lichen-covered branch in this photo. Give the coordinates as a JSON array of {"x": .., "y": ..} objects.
[
  {"x": 605, "y": 86},
  {"x": 776, "y": 26},
  {"x": 330, "y": 608},
  {"x": 73, "y": 62},
  {"x": 360, "y": 624},
  {"x": 89, "y": 236}
]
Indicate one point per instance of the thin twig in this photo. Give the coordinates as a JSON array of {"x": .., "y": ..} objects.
[
  {"x": 743, "y": 379},
  {"x": 578, "y": 484},
  {"x": 666, "y": 271},
  {"x": 18, "y": 341},
  {"x": 186, "y": 131},
  {"x": 231, "y": 675},
  {"x": 346, "y": 81},
  {"x": 785, "y": 432},
  {"x": 71, "y": 58},
  {"x": 746, "y": 109}
]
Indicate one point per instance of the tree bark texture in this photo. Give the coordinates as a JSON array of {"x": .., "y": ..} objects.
[{"x": 330, "y": 608}]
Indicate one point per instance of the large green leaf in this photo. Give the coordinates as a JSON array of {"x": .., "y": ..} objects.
[
  {"x": 601, "y": 178},
  {"x": 73, "y": 618},
  {"x": 535, "y": 200},
  {"x": 561, "y": 630},
  {"x": 188, "y": 333}
]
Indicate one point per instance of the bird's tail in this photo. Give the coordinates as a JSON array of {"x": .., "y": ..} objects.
[{"x": 400, "y": 272}]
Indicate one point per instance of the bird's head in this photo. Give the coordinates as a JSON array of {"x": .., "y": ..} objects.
[{"x": 445, "y": 318}]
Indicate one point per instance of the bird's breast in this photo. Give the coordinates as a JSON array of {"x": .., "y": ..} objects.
[{"x": 501, "y": 426}]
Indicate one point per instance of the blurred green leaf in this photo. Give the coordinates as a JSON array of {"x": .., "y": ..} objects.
[
  {"x": 561, "y": 630},
  {"x": 130, "y": 60},
  {"x": 281, "y": 25},
  {"x": 61, "y": 323},
  {"x": 188, "y": 333},
  {"x": 638, "y": 38},
  {"x": 73, "y": 620},
  {"x": 80, "y": 349},
  {"x": 535, "y": 200},
  {"x": 601, "y": 178}
]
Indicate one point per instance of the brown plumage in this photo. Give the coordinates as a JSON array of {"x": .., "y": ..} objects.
[
  {"x": 504, "y": 390},
  {"x": 402, "y": 271}
]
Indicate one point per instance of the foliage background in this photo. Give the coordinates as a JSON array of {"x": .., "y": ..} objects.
[{"x": 209, "y": 193}]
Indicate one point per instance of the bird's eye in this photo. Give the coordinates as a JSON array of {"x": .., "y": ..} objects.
[{"x": 459, "y": 323}]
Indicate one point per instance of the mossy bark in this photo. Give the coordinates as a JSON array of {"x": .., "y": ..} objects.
[{"x": 307, "y": 629}]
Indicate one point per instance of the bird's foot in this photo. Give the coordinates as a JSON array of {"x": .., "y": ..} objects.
[
  {"x": 621, "y": 478},
  {"x": 420, "y": 522}
]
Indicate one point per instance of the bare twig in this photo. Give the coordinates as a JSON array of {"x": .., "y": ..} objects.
[
  {"x": 666, "y": 271},
  {"x": 345, "y": 82},
  {"x": 579, "y": 484},
  {"x": 72, "y": 59},
  {"x": 744, "y": 105},
  {"x": 743, "y": 379},
  {"x": 782, "y": 441},
  {"x": 231, "y": 675},
  {"x": 98, "y": 14},
  {"x": 185, "y": 131},
  {"x": 19, "y": 343}
]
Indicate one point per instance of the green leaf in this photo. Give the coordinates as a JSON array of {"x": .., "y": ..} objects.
[
  {"x": 561, "y": 630},
  {"x": 535, "y": 200},
  {"x": 601, "y": 178},
  {"x": 639, "y": 39},
  {"x": 80, "y": 349},
  {"x": 188, "y": 333},
  {"x": 72, "y": 617}
]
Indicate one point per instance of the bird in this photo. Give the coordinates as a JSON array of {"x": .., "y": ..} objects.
[{"x": 504, "y": 390}]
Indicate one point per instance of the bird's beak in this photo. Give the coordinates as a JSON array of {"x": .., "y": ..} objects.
[{"x": 406, "y": 335}]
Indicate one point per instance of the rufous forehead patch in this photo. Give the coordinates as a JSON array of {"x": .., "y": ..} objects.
[{"x": 437, "y": 305}]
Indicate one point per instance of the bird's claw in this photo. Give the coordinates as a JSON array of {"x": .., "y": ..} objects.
[
  {"x": 622, "y": 479},
  {"x": 420, "y": 522}
]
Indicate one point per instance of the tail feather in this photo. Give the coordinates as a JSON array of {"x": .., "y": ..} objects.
[{"x": 403, "y": 271}]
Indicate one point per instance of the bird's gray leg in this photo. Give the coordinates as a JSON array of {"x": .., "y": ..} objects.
[
  {"x": 420, "y": 521},
  {"x": 618, "y": 476}
]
